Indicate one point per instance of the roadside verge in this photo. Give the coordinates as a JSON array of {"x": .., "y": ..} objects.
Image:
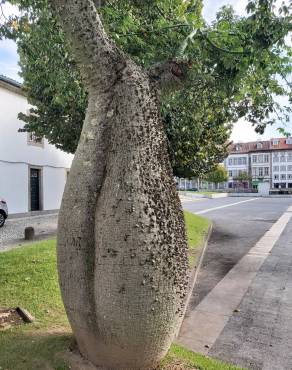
[{"x": 196, "y": 259}]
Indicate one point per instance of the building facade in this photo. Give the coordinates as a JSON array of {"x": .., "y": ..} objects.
[
  {"x": 33, "y": 172},
  {"x": 265, "y": 162},
  {"x": 236, "y": 165}
]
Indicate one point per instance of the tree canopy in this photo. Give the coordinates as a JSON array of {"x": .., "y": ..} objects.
[
  {"x": 243, "y": 176},
  {"x": 218, "y": 175},
  {"x": 236, "y": 67}
]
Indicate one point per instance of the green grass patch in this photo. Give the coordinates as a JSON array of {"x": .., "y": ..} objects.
[
  {"x": 206, "y": 192},
  {"x": 28, "y": 278},
  {"x": 193, "y": 360},
  {"x": 197, "y": 228}
]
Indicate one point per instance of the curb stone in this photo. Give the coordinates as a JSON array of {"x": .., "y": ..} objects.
[{"x": 194, "y": 271}]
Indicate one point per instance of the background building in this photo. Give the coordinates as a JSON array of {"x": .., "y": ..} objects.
[
  {"x": 267, "y": 161},
  {"x": 237, "y": 164},
  {"x": 33, "y": 173}
]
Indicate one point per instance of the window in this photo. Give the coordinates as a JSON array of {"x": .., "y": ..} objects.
[
  {"x": 289, "y": 168},
  {"x": 276, "y": 177},
  {"x": 267, "y": 172},
  {"x": 289, "y": 176},
  {"x": 276, "y": 158},
  {"x": 230, "y": 161},
  {"x": 259, "y": 145},
  {"x": 237, "y": 148},
  {"x": 276, "y": 168},
  {"x": 254, "y": 159},
  {"x": 240, "y": 161},
  {"x": 283, "y": 176},
  {"x": 260, "y": 158},
  {"x": 244, "y": 160},
  {"x": 283, "y": 168},
  {"x": 289, "y": 141},
  {"x": 266, "y": 158},
  {"x": 261, "y": 172},
  {"x": 282, "y": 158},
  {"x": 289, "y": 158},
  {"x": 275, "y": 142},
  {"x": 33, "y": 139},
  {"x": 254, "y": 171},
  {"x": 230, "y": 173}
]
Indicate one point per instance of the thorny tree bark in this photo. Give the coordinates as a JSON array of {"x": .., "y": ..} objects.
[{"x": 122, "y": 252}]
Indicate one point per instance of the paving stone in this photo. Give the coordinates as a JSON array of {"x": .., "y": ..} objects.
[{"x": 13, "y": 230}]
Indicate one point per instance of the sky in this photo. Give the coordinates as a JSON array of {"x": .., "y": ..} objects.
[{"x": 242, "y": 131}]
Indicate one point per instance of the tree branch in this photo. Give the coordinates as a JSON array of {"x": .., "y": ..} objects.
[
  {"x": 169, "y": 75},
  {"x": 220, "y": 48},
  {"x": 97, "y": 57},
  {"x": 99, "y": 3},
  {"x": 162, "y": 29}
]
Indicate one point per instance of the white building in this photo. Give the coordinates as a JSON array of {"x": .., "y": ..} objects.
[
  {"x": 261, "y": 164},
  {"x": 282, "y": 163},
  {"x": 33, "y": 173},
  {"x": 236, "y": 164},
  {"x": 265, "y": 162}
]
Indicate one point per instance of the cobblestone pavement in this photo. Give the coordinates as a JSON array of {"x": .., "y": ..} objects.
[{"x": 13, "y": 230}]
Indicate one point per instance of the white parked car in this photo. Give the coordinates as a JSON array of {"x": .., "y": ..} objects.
[{"x": 3, "y": 212}]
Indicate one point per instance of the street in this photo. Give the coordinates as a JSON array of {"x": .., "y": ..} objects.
[
  {"x": 244, "y": 303},
  {"x": 241, "y": 305},
  {"x": 236, "y": 229},
  {"x": 13, "y": 231}
]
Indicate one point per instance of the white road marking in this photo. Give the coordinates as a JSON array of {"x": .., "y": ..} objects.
[
  {"x": 225, "y": 206},
  {"x": 203, "y": 326}
]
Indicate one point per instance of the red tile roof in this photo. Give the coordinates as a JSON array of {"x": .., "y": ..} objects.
[
  {"x": 253, "y": 146},
  {"x": 282, "y": 144}
]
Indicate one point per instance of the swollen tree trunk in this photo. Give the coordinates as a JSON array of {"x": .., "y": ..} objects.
[{"x": 122, "y": 252}]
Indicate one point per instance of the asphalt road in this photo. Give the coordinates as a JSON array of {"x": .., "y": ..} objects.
[
  {"x": 257, "y": 335},
  {"x": 236, "y": 229}
]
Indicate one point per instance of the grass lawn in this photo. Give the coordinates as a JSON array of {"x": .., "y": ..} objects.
[
  {"x": 206, "y": 192},
  {"x": 28, "y": 278},
  {"x": 201, "y": 192},
  {"x": 197, "y": 228}
]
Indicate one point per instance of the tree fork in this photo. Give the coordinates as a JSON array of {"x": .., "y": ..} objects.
[{"x": 122, "y": 251}]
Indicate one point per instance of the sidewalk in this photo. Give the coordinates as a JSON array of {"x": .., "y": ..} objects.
[
  {"x": 246, "y": 319},
  {"x": 12, "y": 234}
]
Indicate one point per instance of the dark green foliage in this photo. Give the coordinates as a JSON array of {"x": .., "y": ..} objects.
[
  {"x": 243, "y": 176},
  {"x": 234, "y": 71},
  {"x": 218, "y": 175}
]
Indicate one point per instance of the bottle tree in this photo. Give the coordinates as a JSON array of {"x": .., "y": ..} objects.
[{"x": 122, "y": 251}]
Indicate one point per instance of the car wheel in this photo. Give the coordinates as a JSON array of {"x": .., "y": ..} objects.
[{"x": 2, "y": 219}]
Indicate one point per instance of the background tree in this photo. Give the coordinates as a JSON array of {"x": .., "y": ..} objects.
[
  {"x": 243, "y": 177},
  {"x": 233, "y": 63},
  {"x": 218, "y": 175}
]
